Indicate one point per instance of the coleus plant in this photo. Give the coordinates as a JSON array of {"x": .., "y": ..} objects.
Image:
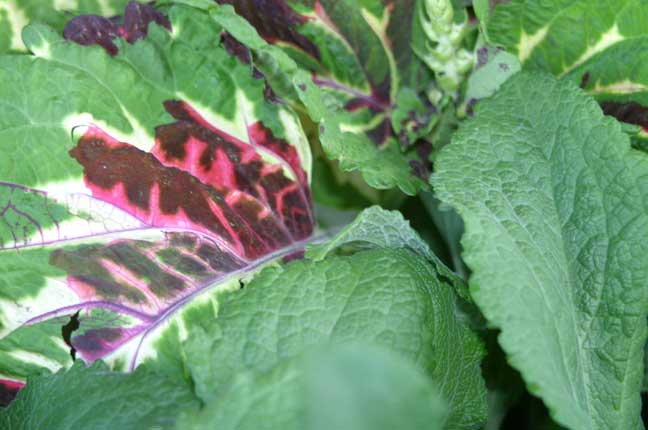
[
  {"x": 360, "y": 59},
  {"x": 162, "y": 261},
  {"x": 167, "y": 173},
  {"x": 150, "y": 202}
]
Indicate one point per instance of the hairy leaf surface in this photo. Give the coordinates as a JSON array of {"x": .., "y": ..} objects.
[
  {"x": 95, "y": 398},
  {"x": 388, "y": 297},
  {"x": 347, "y": 388},
  {"x": 378, "y": 228},
  {"x": 553, "y": 199}
]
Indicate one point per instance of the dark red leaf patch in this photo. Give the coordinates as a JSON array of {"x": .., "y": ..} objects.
[
  {"x": 92, "y": 30},
  {"x": 236, "y": 48},
  {"x": 221, "y": 203},
  {"x": 137, "y": 18},
  {"x": 8, "y": 390},
  {"x": 97, "y": 343},
  {"x": 629, "y": 112},
  {"x": 202, "y": 179},
  {"x": 275, "y": 20},
  {"x": 96, "y": 30},
  {"x": 139, "y": 279}
]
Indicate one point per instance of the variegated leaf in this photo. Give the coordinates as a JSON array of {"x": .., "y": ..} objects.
[
  {"x": 359, "y": 56},
  {"x": 600, "y": 46},
  {"x": 145, "y": 174},
  {"x": 15, "y": 14}
]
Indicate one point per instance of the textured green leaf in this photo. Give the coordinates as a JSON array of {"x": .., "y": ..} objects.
[
  {"x": 391, "y": 298},
  {"x": 94, "y": 398},
  {"x": 553, "y": 199},
  {"x": 345, "y": 388},
  {"x": 494, "y": 67},
  {"x": 378, "y": 228}
]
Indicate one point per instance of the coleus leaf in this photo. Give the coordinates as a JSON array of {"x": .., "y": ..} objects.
[
  {"x": 554, "y": 204},
  {"x": 97, "y": 30},
  {"x": 359, "y": 57},
  {"x": 599, "y": 46},
  {"x": 15, "y": 14},
  {"x": 181, "y": 178}
]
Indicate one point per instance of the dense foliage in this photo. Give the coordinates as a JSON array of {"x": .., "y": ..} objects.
[{"x": 316, "y": 214}]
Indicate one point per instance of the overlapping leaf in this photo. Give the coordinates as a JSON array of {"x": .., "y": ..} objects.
[
  {"x": 388, "y": 296},
  {"x": 378, "y": 228},
  {"x": 601, "y": 46},
  {"x": 180, "y": 176},
  {"x": 260, "y": 355},
  {"x": 554, "y": 204},
  {"x": 359, "y": 57},
  {"x": 15, "y": 14}
]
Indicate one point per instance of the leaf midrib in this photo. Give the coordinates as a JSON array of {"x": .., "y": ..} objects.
[{"x": 567, "y": 273}]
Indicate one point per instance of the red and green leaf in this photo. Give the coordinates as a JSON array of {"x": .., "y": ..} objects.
[
  {"x": 182, "y": 180},
  {"x": 360, "y": 57}
]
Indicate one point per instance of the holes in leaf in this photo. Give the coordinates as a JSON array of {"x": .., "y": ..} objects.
[{"x": 67, "y": 331}]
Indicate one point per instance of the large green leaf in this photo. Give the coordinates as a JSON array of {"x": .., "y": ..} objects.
[
  {"x": 554, "y": 204},
  {"x": 388, "y": 297},
  {"x": 378, "y": 228},
  {"x": 94, "y": 398},
  {"x": 346, "y": 388}
]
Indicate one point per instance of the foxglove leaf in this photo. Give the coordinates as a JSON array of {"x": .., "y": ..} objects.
[
  {"x": 180, "y": 179},
  {"x": 554, "y": 204},
  {"x": 378, "y": 228},
  {"x": 99, "y": 399},
  {"x": 285, "y": 311}
]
